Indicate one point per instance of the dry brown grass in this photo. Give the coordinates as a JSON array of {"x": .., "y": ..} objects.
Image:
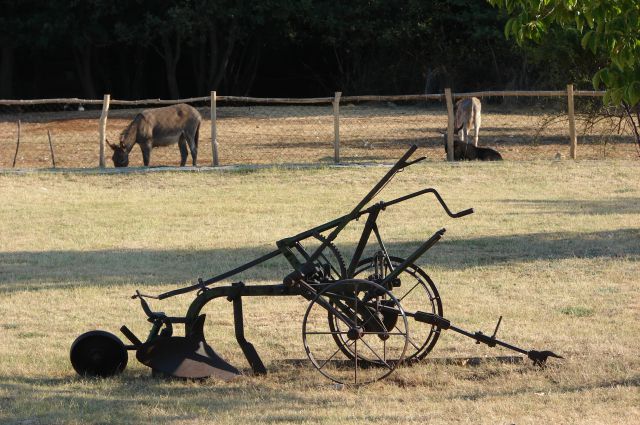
[
  {"x": 304, "y": 134},
  {"x": 553, "y": 247}
]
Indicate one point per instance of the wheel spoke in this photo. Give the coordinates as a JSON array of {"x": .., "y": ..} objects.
[
  {"x": 410, "y": 340},
  {"x": 355, "y": 369},
  {"x": 384, "y": 349},
  {"x": 376, "y": 354},
  {"x": 329, "y": 359},
  {"x": 355, "y": 312},
  {"x": 409, "y": 291}
]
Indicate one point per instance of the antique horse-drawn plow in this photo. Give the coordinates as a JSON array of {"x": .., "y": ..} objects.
[{"x": 364, "y": 317}]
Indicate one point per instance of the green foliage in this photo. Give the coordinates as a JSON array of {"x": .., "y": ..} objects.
[{"x": 610, "y": 28}]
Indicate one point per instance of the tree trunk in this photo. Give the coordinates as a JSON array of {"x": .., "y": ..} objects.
[
  {"x": 6, "y": 72},
  {"x": 221, "y": 65},
  {"x": 171, "y": 56},
  {"x": 633, "y": 123},
  {"x": 198, "y": 63},
  {"x": 124, "y": 70},
  {"x": 82, "y": 58},
  {"x": 138, "y": 84},
  {"x": 242, "y": 68}
]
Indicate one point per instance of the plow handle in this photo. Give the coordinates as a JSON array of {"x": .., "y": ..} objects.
[
  {"x": 463, "y": 213},
  {"x": 438, "y": 197}
]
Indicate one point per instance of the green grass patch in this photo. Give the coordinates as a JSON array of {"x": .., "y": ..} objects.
[{"x": 577, "y": 311}]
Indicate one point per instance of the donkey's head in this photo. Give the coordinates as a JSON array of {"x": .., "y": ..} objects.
[{"x": 120, "y": 155}]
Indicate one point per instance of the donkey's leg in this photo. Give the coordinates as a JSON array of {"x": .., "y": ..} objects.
[
  {"x": 476, "y": 129},
  {"x": 193, "y": 147},
  {"x": 464, "y": 135},
  {"x": 182, "y": 144},
  {"x": 146, "y": 151}
]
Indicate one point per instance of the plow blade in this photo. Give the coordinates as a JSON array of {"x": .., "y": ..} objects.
[{"x": 186, "y": 357}]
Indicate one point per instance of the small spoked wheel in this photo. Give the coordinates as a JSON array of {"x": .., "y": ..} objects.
[
  {"x": 359, "y": 308},
  {"x": 98, "y": 354},
  {"x": 414, "y": 289}
]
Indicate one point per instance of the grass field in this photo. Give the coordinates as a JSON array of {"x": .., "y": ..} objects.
[{"x": 554, "y": 247}]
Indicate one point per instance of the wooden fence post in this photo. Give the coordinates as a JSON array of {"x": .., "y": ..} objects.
[
  {"x": 103, "y": 126},
  {"x": 573, "y": 139},
  {"x": 336, "y": 127},
  {"x": 214, "y": 131},
  {"x": 450, "y": 124},
  {"x": 53, "y": 157},
  {"x": 17, "y": 146}
]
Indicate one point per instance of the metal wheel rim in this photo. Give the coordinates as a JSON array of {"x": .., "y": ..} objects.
[{"x": 389, "y": 366}]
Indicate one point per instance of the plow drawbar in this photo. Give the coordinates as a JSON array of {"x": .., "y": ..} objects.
[{"x": 365, "y": 316}]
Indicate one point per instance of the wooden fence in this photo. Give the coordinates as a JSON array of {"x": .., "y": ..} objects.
[{"x": 335, "y": 101}]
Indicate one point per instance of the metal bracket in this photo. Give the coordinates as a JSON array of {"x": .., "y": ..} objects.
[
  {"x": 247, "y": 348},
  {"x": 489, "y": 340}
]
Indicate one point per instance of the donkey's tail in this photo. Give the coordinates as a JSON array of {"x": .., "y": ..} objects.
[{"x": 196, "y": 136}]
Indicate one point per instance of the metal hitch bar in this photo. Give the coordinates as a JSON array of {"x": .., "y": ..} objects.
[{"x": 538, "y": 357}]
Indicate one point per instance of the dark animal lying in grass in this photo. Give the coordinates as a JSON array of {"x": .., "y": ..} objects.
[{"x": 466, "y": 151}]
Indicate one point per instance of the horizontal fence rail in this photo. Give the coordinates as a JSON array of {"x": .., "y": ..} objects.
[{"x": 316, "y": 100}]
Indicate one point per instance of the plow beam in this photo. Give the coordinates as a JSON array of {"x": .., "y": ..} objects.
[{"x": 539, "y": 358}]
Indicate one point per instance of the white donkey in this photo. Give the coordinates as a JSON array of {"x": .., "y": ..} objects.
[{"x": 467, "y": 113}]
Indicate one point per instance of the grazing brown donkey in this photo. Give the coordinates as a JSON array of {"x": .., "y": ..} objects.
[
  {"x": 160, "y": 127},
  {"x": 468, "y": 112}
]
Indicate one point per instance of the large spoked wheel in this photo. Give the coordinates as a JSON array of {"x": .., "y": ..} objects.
[
  {"x": 359, "y": 307},
  {"x": 414, "y": 289},
  {"x": 98, "y": 354}
]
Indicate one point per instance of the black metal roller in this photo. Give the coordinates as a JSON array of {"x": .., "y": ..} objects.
[{"x": 99, "y": 354}]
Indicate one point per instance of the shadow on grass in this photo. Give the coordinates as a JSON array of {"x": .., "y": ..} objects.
[
  {"x": 583, "y": 207},
  {"x": 129, "y": 400},
  {"x": 58, "y": 269},
  {"x": 633, "y": 382}
]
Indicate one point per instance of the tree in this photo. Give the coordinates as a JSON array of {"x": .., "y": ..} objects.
[
  {"x": 160, "y": 25},
  {"x": 11, "y": 27},
  {"x": 377, "y": 46},
  {"x": 610, "y": 28}
]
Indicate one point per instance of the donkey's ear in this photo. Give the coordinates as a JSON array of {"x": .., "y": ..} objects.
[{"x": 111, "y": 145}]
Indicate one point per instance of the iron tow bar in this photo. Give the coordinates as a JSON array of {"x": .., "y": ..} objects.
[{"x": 539, "y": 358}]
